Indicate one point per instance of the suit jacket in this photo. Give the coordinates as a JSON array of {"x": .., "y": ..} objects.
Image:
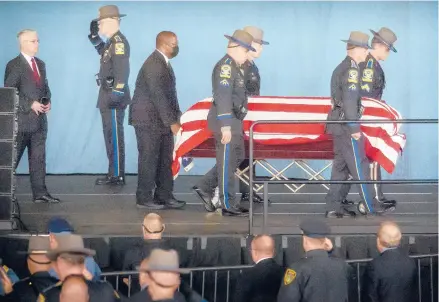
[
  {"x": 391, "y": 277},
  {"x": 19, "y": 74},
  {"x": 259, "y": 283},
  {"x": 155, "y": 103}
]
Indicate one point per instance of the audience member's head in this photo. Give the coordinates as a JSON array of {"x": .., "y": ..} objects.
[
  {"x": 29, "y": 43},
  {"x": 69, "y": 256},
  {"x": 58, "y": 226},
  {"x": 74, "y": 289},
  {"x": 37, "y": 260},
  {"x": 262, "y": 247},
  {"x": 163, "y": 271},
  {"x": 153, "y": 226},
  {"x": 388, "y": 236},
  {"x": 314, "y": 235}
]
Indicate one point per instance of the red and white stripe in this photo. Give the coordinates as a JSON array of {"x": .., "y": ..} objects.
[{"x": 384, "y": 143}]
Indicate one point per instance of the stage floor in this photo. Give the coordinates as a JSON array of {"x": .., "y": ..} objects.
[{"x": 103, "y": 210}]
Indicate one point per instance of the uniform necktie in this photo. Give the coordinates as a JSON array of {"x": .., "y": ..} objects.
[{"x": 36, "y": 75}]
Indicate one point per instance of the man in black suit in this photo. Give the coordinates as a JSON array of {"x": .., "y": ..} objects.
[
  {"x": 262, "y": 281},
  {"x": 391, "y": 276},
  {"x": 28, "y": 74},
  {"x": 155, "y": 115}
]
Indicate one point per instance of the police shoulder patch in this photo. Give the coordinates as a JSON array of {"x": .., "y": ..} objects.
[
  {"x": 226, "y": 71},
  {"x": 290, "y": 276},
  {"x": 353, "y": 76},
  {"x": 119, "y": 48},
  {"x": 367, "y": 75}
]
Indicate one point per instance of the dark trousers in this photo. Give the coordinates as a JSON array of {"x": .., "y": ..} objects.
[
  {"x": 112, "y": 124},
  {"x": 228, "y": 157},
  {"x": 155, "y": 165},
  {"x": 349, "y": 159},
  {"x": 36, "y": 148},
  {"x": 243, "y": 187}
]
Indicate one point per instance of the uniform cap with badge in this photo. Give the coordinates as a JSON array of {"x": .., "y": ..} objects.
[
  {"x": 315, "y": 228},
  {"x": 242, "y": 38},
  {"x": 109, "y": 11},
  {"x": 70, "y": 244},
  {"x": 385, "y": 36},
  {"x": 359, "y": 39},
  {"x": 257, "y": 34}
]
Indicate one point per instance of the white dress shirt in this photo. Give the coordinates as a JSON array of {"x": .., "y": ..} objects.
[
  {"x": 29, "y": 60},
  {"x": 166, "y": 58}
]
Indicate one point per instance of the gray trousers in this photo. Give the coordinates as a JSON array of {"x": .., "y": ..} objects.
[
  {"x": 112, "y": 124},
  {"x": 349, "y": 159},
  {"x": 228, "y": 158}
]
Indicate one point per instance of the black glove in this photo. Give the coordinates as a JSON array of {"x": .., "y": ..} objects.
[{"x": 94, "y": 28}]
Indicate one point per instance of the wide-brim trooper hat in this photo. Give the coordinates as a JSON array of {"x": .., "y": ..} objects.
[
  {"x": 357, "y": 38},
  {"x": 385, "y": 36},
  {"x": 257, "y": 33},
  {"x": 242, "y": 38},
  {"x": 109, "y": 11}
]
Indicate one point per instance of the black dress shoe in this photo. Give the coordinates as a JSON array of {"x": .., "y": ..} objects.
[
  {"x": 346, "y": 202},
  {"x": 233, "y": 211},
  {"x": 245, "y": 197},
  {"x": 205, "y": 199},
  {"x": 387, "y": 202},
  {"x": 46, "y": 199},
  {"x": 172, "y": 203},
  {"x": 111, "y": 180},
  {"x": 150, "y": 205},
  {"x": 383, "y": 209},
  {"x": 343, "y": 213}
]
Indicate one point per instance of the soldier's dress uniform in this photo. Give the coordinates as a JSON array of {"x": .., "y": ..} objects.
[
  {"x": 228, "y": 109},
  {"x": 114, "y": 96},
  {"x": 98, "y": 291},
  {"x": 349, "y": 154},
  {"x": 372, "y": 86}
]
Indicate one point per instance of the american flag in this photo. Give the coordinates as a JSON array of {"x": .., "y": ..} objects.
[{"x": 384, "y": 142}]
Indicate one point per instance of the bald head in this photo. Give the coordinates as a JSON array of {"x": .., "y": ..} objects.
[
  {"x": 262, "y": 247},
  {"x": 153, "y": 226},
  {"x": 74, "y": 289},
  {"x": 389, "y": 235},
  {"x": 167, "y": 43}
]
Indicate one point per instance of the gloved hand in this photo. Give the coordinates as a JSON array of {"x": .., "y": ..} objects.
[{"x": 94, "y": 28}]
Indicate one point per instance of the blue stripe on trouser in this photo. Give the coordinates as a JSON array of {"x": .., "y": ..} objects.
[
  {"x": 115, "y": 142},
  {"x": 357, "y": 159},
  {"x": 226, "y": 175}
]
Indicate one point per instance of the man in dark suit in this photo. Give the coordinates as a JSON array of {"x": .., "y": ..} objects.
[
  {"x": 28, "y": 74},
  {"x": 114, "y": 92},
  {"x": 391, "y": 276},
  {"x": 262, "y": 281},
  {"x": 155, "y": 115}
]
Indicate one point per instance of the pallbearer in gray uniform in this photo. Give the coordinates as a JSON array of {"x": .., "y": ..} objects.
[
  {"x": 349, "y": 150},
  {"x": 225, "y": 118},
  {"x": 114, "y": 93},
  {"x": 373, "y": 83}
]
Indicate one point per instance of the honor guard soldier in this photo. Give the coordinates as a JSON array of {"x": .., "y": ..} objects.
[
  {"x": 114, "y": 93},
  {"x": 373, "y": 83},
  {"x": 318, "y": 277},
  {"x": 349, "y": 149},
  {"x": 68, "y": 259},
  {"x": 229, "y": 108},
  {"x": 252, "y": 85}
]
